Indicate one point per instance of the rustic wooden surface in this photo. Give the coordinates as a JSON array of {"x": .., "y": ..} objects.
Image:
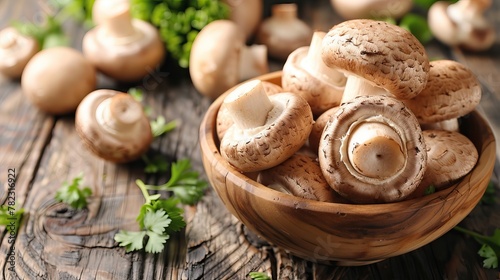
[{"x": 55, "y": 242}]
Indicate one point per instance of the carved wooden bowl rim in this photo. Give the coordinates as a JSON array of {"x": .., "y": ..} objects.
[{"x": 468, "y": 191}]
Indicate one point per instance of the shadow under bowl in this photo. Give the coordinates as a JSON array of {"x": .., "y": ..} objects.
[{"x": 346, "y": 234}]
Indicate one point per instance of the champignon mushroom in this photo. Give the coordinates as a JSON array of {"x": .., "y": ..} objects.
[
  {"x": 267, "y": 129},
  {"x": 283, "y": 32},
  {"x": 462, "y": 24},
  {"x": 300, "y": 175},
  {"x": 56, "y": 79},
  {"x": 452, "y": 91},
  {"x": 224, "y": 120},
  {"x": 246, "y": 14},
  {"x": 372, "y": 150},
  {"x": 122, "y": 48},
  {"x": 450, "y": 156},
  {"x": 305, "y": 74},
  {"x": 220, "y": 59},
  {"x": 113, "y": 125},
  {"x": 318, "y": 127},
  {"x": 372, "y": 9},
  {"x": 377, "y": 57},
  {"x": 15, "y": 52}
]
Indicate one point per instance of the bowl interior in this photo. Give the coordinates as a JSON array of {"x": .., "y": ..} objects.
[{"x": 346, "y": 233}]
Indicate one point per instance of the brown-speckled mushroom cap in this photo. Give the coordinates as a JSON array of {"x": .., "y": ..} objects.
[
  {"x": 15, "y": 52},
  {"x": 365, "y": 165},
  {"x": 452, "y": 91},
  {"x": 450, "y": 156},
  {"x": 385, "y": 54},
  {"x": 113, "y": 125},
  {"x": 285, "y": 131},
  {"x": 301, "y": 176}
]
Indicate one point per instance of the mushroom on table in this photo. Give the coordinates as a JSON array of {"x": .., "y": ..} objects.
[
  {"x": 267, "y": 130},
  {"x": 113, "y": 125},
  {"x": 16, "y": 50},
  {"x": 371, "y": 9}
]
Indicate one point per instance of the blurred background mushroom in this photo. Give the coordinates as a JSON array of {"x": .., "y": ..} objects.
[
  {"x": 220, "y": 59},
  {"x": 15, "y": 52},
  {"x": 56, "y": 79},
  {"x": 113, "y": 126},
  {"x": 122, "y": 48},
  {"x": 462, "y": 24},
  {"x": 372, "y": 9},
  {"x": 247, "y": 14},
  {"x": 283, "y": 32}
]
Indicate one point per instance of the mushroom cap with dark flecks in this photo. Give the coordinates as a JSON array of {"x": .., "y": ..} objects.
[
  {"x": 363, "y": 189},
  {"x": 285, "y": 132},
  {"x": 387, "y": 55},
  {"x": 452, "y": 91}
]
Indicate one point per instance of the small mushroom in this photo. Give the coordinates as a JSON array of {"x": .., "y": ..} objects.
[
  {"x": 122, "y": 48},
  {"x": 452, "y": 91},
  {"x": 283, "y": 32},
  {"x": 305, "y": 74},
  {"x": 377, "y": 57},
  {"x": 301, "y": 176},
  {"x": 267, "y": 130},
  {"x": 56, "y": 79},
  {"x": 462, "y": 24},
  {"x": 224, "y": 120},
  {"x": 219, "y": 58},
  {"x": 113, "y": 125},
  {"x": 15, "y": 52},
  {"x": 372, "y": 9},
  {"x": 450, "y": 156},
  {"x": 246, "y": 14},
  {"x": 372, "y": 150}
]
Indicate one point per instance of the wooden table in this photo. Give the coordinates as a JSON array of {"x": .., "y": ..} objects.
[{"x": 55, "y": 242}]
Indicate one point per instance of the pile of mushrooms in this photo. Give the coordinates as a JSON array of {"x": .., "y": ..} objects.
[{"x": 382, "y": 141}]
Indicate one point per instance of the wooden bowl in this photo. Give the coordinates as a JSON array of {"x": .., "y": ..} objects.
[{"x": 345, "y": 234}]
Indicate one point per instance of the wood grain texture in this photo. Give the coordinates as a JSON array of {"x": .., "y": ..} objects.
[{"x": 55, "y": 242}]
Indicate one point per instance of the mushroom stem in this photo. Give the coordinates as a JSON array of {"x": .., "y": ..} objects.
[
  {"x": 357, "y": 86},
  {"x": 313, "y": 63},
  {"x": 284, "y": 11},
  {"x": 252, "y": 62},
  {"x": 469, "y": 13},
  {"x": 119, "y": 113},
  {"x": 375, "y": 150},
  {"x": 116, "y": 21},
  {"x": 249, "y": 105}
]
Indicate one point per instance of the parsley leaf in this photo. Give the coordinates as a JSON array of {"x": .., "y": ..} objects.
[
  {"x": 259, "y": 275},
  {"x": 131, "y": 240},
  {"x": 72, "y": 193},
  {"x": 156, "y": 164},
  {"x": 8, "y": 214},
  {"x": 156, "y": 242},
  {"x": 160, "y": 126},
  {"x": 490, "y": 249},
  {"x": 156, "y": 221}
]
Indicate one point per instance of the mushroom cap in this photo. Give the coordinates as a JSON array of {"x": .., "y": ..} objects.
[
  {"x": 452, "y": 91},
  {"x": 286, "y": 130},
  {"x": 57, "y": 79},
  {"x": 125, "y": 59},
  {"x": 224, "y": 120},
  {"x": 319, "y": 93},
  {"x": 300, "y": 175},
  {"x": 15, "y": 52},
  {"x": 345, "y": 178},
  {"x": 113, "y": 144},
  {"x": 450, "y": 156},
  {"x": 349, "y": 9},
  {"x": 213, "y": 62},
  {"x": 318, "y": 127},
  {"x": 445, "y": 29},
  {"x": 283, "y": 32},
  {"x": 384, "y": 54},
  {"x": 246, "y": 14}
]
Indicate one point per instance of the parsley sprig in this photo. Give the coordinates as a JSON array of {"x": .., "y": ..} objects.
[
  {"x": 73, "y": 194},
  {"x": 490, "y": 249},
  {"x": 158, "y": 218},
  {"x": 9, "y": 214},
  {"x": 259, "y": 275}
]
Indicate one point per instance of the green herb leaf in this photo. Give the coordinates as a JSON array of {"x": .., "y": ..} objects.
[
  {"x": 259, "y": 275},
  {"x": 160, "y": 126},
  {"x": 131, "y": 240},
  {"x": 490, "y": 246},
  {"x": 72, "y": 193},
  {"x": 156, "y": 164},
  {"x": 489, "y": 197},
  {"x": 9, "y": 214},
  {"x": 49, "y": 34},
  {"x": 185, "y": 183},
  {"x": 156, "y": 242},
  {"x": 156, "y": 221},
  {"x": 137, "y": 94},
  {"x": 418, "y": 26}
]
